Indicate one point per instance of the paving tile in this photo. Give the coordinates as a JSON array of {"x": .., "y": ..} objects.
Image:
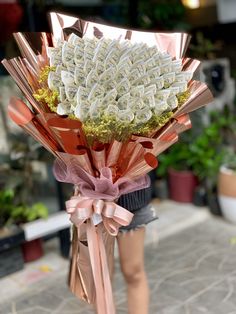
[
  {"x": 192, "y": 272},
  {"x": 34, "y": 310}
]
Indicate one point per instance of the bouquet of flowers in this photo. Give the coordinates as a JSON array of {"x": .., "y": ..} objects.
[{"x": 105, "y": 101}]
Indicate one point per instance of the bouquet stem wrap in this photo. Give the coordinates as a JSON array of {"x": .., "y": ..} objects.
[{"x": 93, "y": 208}]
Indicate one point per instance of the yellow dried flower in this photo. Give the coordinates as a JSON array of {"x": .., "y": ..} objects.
[
  {"x": 183, "y": 97},
  {"x": 108, "y": 127},
  {"x": 47, "y": 96},
  {"x": 44, "y": 94},
  {"x": 43, "y": 76}
]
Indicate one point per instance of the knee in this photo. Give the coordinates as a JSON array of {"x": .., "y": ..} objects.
[{"x": 134, "y": 274}]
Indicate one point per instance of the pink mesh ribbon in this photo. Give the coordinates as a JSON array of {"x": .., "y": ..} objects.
[{"x": 95, "y": 205}]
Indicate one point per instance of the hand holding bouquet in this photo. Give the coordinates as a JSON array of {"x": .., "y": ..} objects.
[{"x": 105, "y": 101}]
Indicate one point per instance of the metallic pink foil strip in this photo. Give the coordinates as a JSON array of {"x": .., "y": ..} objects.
[
  {"x": 164, "y": 142},
  {"x": 138, "y": 152},
  {"x": 167, "y": 128},
  {"x": 24, "y": 73},
  {"x": 148, "y": 163},
  {"x": 125, "y": 156},
  {"x": 146, "y": 142},
  {"x": 29, "y": 67},
  {"x": 54, "y": 120},
  {"x": 190, "y": 64},
  {"x": 67, "y": 131},
  {"x": 183, "y": 123},
  {"x": 26, "y": 50},
  {"x": 200, "y": 95},
  {"x": 33, "y": 47},
  {"x": 113, "y": 153},
  {"x": 81, "y": 286},
  {"x": 23, "y": 85},
  {"x": 84, "y": 161},
  {"x": 160, "y": 144},
  {"x": 29, "y": 74},
  {"x": 23, "y": 117},
  {"x": 68, "y": 140}
]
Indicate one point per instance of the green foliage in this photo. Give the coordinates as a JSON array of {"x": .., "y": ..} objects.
[
  {"x": 203, "y": 154},
  {"x": 177, "y": 157},
  {"x": 229, "y": 160},
  {"x": 167, "y": 15},
  {"x": 204, "y": 48},
  {"x": 12, "y": 213},
  {"x": 207, "y": 152}
]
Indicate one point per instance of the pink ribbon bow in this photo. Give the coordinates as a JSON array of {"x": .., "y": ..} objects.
[{"x": 112, "y": 215}]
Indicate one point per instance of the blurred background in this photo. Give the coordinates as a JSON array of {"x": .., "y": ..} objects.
[{"x": 198, "y": 174}]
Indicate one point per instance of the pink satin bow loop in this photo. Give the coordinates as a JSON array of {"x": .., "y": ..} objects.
[{"x": 112, "y": 215}]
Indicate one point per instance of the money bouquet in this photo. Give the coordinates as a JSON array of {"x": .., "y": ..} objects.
[{"x": 105, "y": 101}]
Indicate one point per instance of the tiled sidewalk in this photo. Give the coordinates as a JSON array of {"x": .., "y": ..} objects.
[{"x": 190, "y": 271}]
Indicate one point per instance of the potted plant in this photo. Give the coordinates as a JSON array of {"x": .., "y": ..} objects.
[
  {"x": 227, "y": 186},
  {"x": 206, "y": 158},
  {"x": 11, "y": 236},
  {"x": 193, "y": 164},
  {"x": 177, "y": 165},
  {"x": 13, "y": 216},
  {"x": 224, "y": 123},
  {"x": 23, "y": 214}
]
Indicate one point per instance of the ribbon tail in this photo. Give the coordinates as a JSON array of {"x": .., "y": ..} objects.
[
  {"x": 75, "y": 281},
  {"x": 110, "y": 306},
  {"x": 93, "y": 244}
]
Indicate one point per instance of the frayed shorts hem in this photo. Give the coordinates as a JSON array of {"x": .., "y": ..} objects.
[{"x": 141, "y": 218}]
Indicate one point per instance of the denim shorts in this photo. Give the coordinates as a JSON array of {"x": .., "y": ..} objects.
[{"x": 142, "y": 217}]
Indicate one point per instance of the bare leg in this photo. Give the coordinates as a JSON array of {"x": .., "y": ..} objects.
[{"x": 131, "y": 251}]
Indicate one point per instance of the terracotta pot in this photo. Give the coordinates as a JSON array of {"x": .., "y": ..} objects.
[
  {"x": 227, "y": 193},
  {"x": 227, "y": 182},
  {"x": 182, "y": 185},
  {"x": 32, "y": 250}
]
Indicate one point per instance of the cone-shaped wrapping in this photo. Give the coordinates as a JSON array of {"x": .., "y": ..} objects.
[
  {"x": 22, "y": 116},
  {"x": 200, "y": 95},
  {"x": 33, "y": 45}
]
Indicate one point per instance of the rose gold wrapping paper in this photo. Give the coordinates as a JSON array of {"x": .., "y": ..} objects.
[
  {"x": 82, "y": 288},
  {"x": 80, "y": 278},
  {"x": 23, "y": 85},
  {"x": 22, "y": 116},
  {"x": 134, "y": 153},
  {"x": 160, "y": 144},
  {"x": 142, "y": 167},
  {"x": 33, "y": 48},
  {"x": 200, "y": 95},
  {"x": 190, "y": 64},
  {"x": 183, "y": 123},
  {"x": 113, "y": 153}
]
